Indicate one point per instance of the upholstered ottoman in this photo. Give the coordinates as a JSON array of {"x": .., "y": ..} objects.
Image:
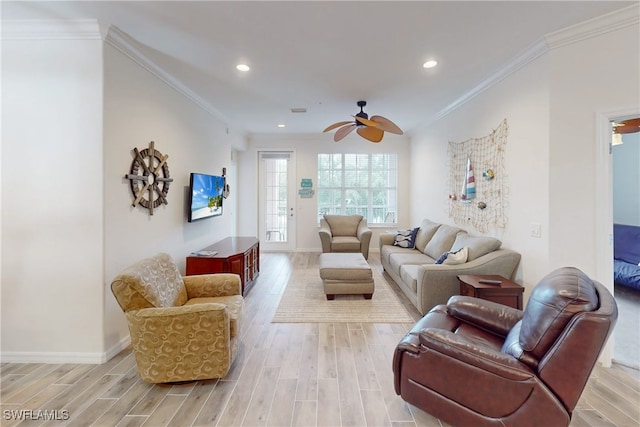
[{"x": 346, "y": 273}]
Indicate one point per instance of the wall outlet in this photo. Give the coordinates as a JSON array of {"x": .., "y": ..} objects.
[{"x": 536, "y": 230}]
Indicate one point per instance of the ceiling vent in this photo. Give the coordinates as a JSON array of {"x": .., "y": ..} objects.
[{"x": 298, "y": 110}]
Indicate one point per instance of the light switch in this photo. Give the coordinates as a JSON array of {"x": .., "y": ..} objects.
[{"x": 536, "y": 230}]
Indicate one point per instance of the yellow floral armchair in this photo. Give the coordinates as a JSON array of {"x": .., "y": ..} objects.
[{"x": 182, "y": 328}]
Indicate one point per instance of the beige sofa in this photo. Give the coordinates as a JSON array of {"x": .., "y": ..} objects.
[
  {"x": 426, "y": 283},
  {"x": 345, "y": 233}
]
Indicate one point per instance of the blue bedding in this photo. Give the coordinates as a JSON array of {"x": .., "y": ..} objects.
[
  {"x": 626, "y": 254},
  {"x": 626, "y": 274}
]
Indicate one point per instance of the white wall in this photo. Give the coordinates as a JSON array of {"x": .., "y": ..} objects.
[
  {"x": 523, "y": 99},
  {"x": 551, "y": 106},
  {"x": 52, "y": 200},
  {"x": 626, "y": 180},
  {"x": 579, "y": 89},
  {"x": 306, "y": 149},
  {"x": 73, "y": 110},
  {"x": 140, "y": 108}
]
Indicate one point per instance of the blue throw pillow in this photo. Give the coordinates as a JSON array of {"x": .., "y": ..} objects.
[{"x": 406, "y": 238}]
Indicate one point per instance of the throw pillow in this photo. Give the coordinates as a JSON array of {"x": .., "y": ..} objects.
[
  {"x": 425, "y": 233},
  {"x": 442, "y": 241},
  {"x": 452, "y": 258},
  {"x": 478, "y": 245},
  {"x": 406, "y": 238}
]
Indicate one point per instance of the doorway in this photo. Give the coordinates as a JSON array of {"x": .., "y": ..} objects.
[
  {"x": 276, "y": 201},
  {"x": 626, "y": 211},
  {"x": 604, "y": 219}
]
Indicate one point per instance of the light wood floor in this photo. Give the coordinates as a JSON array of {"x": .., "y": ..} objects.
[{"x": 285, "y": 375}]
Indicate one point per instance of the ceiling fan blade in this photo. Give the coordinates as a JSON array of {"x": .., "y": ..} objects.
[
  {"x": 337, "y": 125},
  {"x": 344, "y": 131},
  {"x": 627, "y": 129},
  {"x": 386, "y": 125},
  {"x": 365, "y": 122},
  {"x": 371, "y": 133},
  {"x": 627, "y": 126}
]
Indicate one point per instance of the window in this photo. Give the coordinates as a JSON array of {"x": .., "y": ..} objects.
[{"x": 363, "y": 184}]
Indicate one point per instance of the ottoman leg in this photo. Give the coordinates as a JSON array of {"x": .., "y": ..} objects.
[
  {"x": 330, "y": 296},
  {"x": 367, "y": 296}
]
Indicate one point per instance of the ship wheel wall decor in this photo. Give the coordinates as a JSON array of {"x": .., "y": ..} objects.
[{"x": 149, "y": 178}]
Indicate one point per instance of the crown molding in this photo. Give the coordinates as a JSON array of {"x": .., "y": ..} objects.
[
  {"x": 532, "y": 53},
  {"x": 125, "y": 44},
  {"x": 612, "y": 21},
  {"x": 595, "y": 27},
  {"x": 92, "y": 29},
  {"x": 49, "y": 29}
]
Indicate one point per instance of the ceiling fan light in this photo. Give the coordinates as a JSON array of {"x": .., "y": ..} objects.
[
  {"x": 616, "y": 139},
  {"x": 430, "y": 63}
]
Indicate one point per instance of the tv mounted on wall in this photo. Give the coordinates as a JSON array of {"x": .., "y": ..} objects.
[{"x": 205, "y": 196}]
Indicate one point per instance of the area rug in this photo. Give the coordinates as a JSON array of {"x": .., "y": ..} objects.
[{"x": 304, "y": 301}]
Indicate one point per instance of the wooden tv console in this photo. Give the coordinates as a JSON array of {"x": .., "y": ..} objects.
[{"x": 239, "y": 255}]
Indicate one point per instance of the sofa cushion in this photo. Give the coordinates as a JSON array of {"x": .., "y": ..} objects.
[
  {"x": 409, "y": 275},
  {"x": 398, "y": 259},
  {"x": 425, "y": 233},
  {"x": 345, "y": 244},
  {"x": 343, "y": 225},
  {"x": 454, "y": 257},
  {"x": 387, "y": 250},
  {"x": 478, "y": 245},
  {"x": 405, "y": 238},
  {"x": 441, "y": 241}
]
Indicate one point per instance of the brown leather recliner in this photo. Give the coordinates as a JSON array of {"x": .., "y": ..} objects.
[{"x": 473, "y": 362}]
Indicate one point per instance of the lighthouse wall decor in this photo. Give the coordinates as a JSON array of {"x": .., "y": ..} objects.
[{"x": 479, "y": 199}]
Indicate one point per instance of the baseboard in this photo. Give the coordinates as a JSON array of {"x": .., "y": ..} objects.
[
  {"x": 64, "y": 357},
  {"x": 318, "y": 250},
  {"x": 117, "y": 348}
]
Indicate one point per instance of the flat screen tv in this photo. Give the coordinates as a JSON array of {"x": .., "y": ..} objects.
[{"x": 205, "y": 196}]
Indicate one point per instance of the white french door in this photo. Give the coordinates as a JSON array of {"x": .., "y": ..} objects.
[{"x": 276, "y": 201}]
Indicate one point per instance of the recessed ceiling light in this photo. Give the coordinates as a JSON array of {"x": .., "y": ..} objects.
[
  {"x": 430, "y": 63},
  {"x": 281, "y": 125},
  {"x": 243, "y": 67}
]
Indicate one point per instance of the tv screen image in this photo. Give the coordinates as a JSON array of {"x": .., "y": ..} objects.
[{"x": 206, "y": 196}]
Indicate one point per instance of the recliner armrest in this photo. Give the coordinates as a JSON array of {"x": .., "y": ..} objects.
[
  {"x": 212, "y": 285},
  {"x": 488, "y": 315},
  {"x": 469, "y": 352}
]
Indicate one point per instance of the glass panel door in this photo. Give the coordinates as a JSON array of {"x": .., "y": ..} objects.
[{"x": 276, "y": 202}]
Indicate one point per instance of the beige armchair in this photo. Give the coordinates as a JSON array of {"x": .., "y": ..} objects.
[
  {"x": 345, "y": 233},
  {"x": 182, "y": 328}
]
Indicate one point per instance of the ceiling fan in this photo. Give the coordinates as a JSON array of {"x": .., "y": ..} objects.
[
  {"x": 627, "y": 126},
  {"x": 371, "y": 129}
]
